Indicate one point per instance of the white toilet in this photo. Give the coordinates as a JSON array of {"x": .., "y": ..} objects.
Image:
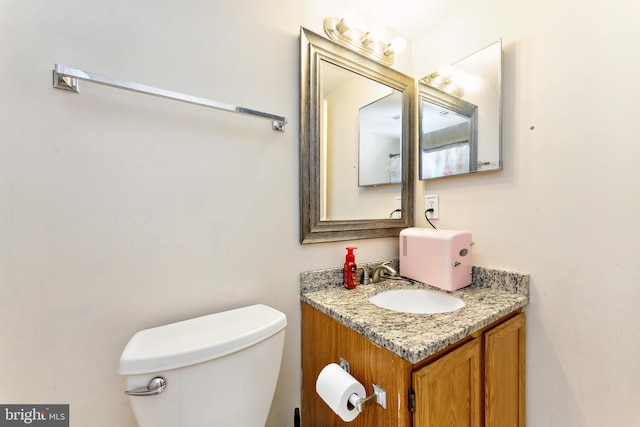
[{"x": 217, "y": 370}]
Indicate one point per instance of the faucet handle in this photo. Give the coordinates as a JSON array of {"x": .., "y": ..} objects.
[{"x": 365, "y": 275}]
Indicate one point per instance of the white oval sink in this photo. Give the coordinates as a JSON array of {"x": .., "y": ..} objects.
[{"x": 421, "y": 301}]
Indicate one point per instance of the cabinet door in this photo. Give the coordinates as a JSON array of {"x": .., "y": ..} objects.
[
  {"x": 324, "y": 341},
  {"x": 448, "y": 391},
  {"x": 505, "y": 374}
]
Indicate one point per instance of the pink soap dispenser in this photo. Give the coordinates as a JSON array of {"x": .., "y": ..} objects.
[{"x": 350, "y": 272}]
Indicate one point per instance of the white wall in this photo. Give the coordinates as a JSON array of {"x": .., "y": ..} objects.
[
  {"x": 567, "y": 204},
  {"x": 120, "y": 212}
]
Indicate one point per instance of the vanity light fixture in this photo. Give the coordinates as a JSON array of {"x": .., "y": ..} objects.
[
  {"x": 444, "y": 81},
  {"x": 362, "y": 41},
  {"x": 453, "y": 81}
]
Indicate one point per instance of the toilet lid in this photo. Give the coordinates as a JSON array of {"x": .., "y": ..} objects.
[{"x": 197, "y": 340}]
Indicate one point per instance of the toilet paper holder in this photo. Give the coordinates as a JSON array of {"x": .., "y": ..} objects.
[
  {"x": 344, "y": 364},
  {"x": 379, "y": 396}
]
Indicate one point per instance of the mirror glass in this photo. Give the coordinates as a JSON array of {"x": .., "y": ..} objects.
[
  {"x": 379, "y": 141},
  {"x": 355, "y": 146},
  {"x": 356, "y": 139},
  {"x": 450, "y": 144},
  {"x": 448, "y": 131}
]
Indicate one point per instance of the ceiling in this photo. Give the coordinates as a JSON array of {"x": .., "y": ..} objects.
[{"x": 409, "y": 18}]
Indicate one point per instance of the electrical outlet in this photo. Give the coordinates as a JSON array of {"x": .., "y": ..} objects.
[{"x": 431, "y": 202}]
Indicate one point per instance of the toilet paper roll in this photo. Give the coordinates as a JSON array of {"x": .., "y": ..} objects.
[{"x": 335, "y": 386}]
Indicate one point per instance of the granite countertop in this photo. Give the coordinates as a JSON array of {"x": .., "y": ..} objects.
[{"x": 493, "y": 294}]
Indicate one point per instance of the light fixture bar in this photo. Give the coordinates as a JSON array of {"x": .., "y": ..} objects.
[{"x": 359, "y": 41}]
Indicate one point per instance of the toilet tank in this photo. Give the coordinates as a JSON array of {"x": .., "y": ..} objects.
[
  {"x": 220, "y": 369},
  {"x": 441, "y": 258}
]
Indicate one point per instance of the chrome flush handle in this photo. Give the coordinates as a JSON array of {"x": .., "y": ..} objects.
[{"x": 155, "y": 386}]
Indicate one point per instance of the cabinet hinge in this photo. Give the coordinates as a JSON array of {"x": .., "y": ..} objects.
[{"x": 412, "y": 400}]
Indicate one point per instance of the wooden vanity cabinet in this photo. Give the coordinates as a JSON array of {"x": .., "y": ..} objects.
[
  {"x": 504, "y": 370},
  {"x": 448, "y": 391},
  {"x": 325, "y": 341},
  {"x": 480, "y": 383},
  {"x": 476, "y": 382}
]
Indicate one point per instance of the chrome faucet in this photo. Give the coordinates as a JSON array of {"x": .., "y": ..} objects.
[{"x": 376, "y": 271}]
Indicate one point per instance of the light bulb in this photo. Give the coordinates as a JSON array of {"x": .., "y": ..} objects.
[
  {"x": 399, "y": 44},
  {"x": 445, "y": 72}
]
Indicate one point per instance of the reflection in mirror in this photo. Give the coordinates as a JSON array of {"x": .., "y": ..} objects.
[
  {"x": 475, "y": 80},
  {"x": 379, "y": 136},
  {"x": 344, "y": 95},
  {"x": 339, "y": 88},
  {"x": 448, "y": 130}
]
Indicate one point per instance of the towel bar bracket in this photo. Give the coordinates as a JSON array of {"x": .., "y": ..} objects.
[
  {"x": 64, "y": 82},
  {"x": 279, "y": 126}
]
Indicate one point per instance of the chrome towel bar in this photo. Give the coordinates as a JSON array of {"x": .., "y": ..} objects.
[{"x": 67, "y": 78}]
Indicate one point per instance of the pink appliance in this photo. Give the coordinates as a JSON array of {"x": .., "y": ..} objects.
[{"x": 440, "y": 258}]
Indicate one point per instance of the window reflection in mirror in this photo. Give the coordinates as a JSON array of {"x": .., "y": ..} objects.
[
  {"x": 448, "y": 134},
  {"x": 446, "y": 139}
]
